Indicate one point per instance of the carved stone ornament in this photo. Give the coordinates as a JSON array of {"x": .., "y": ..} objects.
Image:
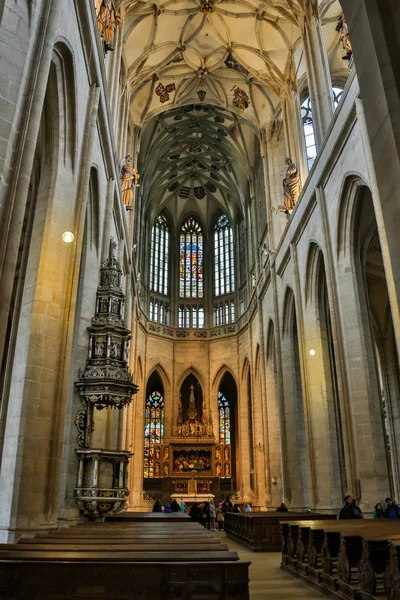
[
  {"x": 102, "y": 486},
  {"x": 106, "y": 380}
]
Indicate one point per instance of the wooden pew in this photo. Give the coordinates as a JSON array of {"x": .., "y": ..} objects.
[
  {"x": 351, "y": 562},
  {"x": 261, "y": 531},
  {"x": 117, "y": 561}
]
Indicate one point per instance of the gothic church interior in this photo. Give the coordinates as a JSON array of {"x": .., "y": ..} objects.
[{"x": 199, "y": 255}]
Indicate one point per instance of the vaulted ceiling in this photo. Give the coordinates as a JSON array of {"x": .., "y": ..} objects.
[
  {"x": 243, "y": 56},
  {"x": 196, "y": 152},
  {"x": 203, "y": 84}
]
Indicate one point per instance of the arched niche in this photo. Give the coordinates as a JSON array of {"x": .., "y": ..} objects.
[
  {"x": 185, "y": 393},
  {"x": 153, "y": 427},
  {"x": 227, "y": 429}
]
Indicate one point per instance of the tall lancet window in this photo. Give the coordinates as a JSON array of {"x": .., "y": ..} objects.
[
  {"x": 308, "y": 125},
  {"x": 153, "y": 434},
  {"x": 224, "y": 420},
  {"x": 224, "y": 268},
  {"x": 191, "y": 260},
  {"x": 159, "y": 251}
]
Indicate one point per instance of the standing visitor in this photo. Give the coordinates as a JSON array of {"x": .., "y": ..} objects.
[
  {"x": 182, "y": 506},
  {"x": 213, "y": 514},
  {"x": 348, "y": 511},
  {"x": 220, "y": 516},
  {"x": 392, "y": 509}
]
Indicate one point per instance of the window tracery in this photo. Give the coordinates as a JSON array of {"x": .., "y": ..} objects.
[
  {"x": 153, "y": 434},
  {"x": 191, "y": 260},
  {"x": 308, "y": 125},
  {"x": 159, "y": 254},
  {"x": 224, "y": 267},
  {"x": 224, "y": 419}
]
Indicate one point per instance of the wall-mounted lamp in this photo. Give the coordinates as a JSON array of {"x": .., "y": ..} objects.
[
  {"x": 68, "y": 237},
  {"x": 311, "y": 352}
]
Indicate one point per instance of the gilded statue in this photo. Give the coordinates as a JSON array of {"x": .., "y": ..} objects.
[
  {"x": 343, "y": 28},
  {"x": 128, "y": 181},
  {"x": 291, "y": 186},
  {"x": 108, "y": 19}
]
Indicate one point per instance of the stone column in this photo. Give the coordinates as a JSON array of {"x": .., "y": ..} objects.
[{"x": 318, "y": 75}]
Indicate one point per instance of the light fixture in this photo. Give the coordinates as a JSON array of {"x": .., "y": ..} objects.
[
  {"x": 311, "y": 352},
  {"x": 68, "y": 237}
]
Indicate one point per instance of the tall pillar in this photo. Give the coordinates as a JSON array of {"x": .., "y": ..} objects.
[
  {"x": 374, "y": 27},
  {"x": 318, "y": 75}
]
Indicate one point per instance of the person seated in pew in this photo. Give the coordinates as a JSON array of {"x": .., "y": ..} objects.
[
  {"x": 282, "y": 508},
  {"x": 349, "y": 511},
  {"x": 392, "y": 509},
  {"x": 157, "y": 506},
  {"x": 168, "y": 508},
  {"x": 236, "y": 508},
  {"x": 182, "y": 506},
  {"x": 379, "y": 513},
  {"x": 247, "y": 508}
]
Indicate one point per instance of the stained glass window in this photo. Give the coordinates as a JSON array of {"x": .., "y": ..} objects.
[
  {"x": 308, "y": 125},
  {"x": 224, "y": 420},
  {"x": 153, "y": 434},
  {"x": 224, "y": 267},
  {"x": 159, "y": 250},
  {"x": 191, "y": 260}
]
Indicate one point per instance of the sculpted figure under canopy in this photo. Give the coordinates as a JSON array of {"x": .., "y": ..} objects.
[
  {"x": 291, "y": 185},
  {"x": 129, "y": 177}
]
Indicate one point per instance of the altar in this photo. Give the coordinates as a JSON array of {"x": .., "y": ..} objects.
[{"x": 191, "y": 459}]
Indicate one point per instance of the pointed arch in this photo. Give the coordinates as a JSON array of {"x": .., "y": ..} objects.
[
  {"x": 346, "y": 213},
  {"x": 153, "y": 426},
  {"x": 159, "y": 255},
  {"x": 246, "y": 367},
  {"x": 191, "y": 246},
  {"x": 270, "y": 340},
  {"x": 288, "y": 311},
  {"x": 220, "y": 374},
  {"x": 139, "y": 369},
  {"x": 191, "y": 371},
  {"x": 257, "y": 360},
  {"x": 158, "y": 368},
  {"x": 314, "y": 257},
  {"x": 224, "y": 264}
]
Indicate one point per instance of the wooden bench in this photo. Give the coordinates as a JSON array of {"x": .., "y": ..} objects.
[
  {"x": 122, "y": 561},
  {"x": 262, "y": 531},
  {"x": 347, "y": 559}
]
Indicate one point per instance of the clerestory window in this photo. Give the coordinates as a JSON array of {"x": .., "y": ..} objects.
[
  {"x": 191, "y": 260},
  {"x": 308, "y": 125},
  {"x": 159, "y": 254},
  {"x": 224, "y": 267}
]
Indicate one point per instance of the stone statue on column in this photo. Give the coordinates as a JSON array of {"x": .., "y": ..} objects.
[
  {"x": 129, "y": 177},
  {"x": 343, "y": 28},
  {"x": 291, "y": 186}
]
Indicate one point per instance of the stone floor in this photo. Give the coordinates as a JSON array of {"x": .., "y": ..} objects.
[{"x": 267, "y": 580}]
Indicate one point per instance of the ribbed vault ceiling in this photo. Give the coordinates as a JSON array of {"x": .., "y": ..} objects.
[
  {"x": 243, "y": 56},
  {"x": 197, "y": 151}
]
